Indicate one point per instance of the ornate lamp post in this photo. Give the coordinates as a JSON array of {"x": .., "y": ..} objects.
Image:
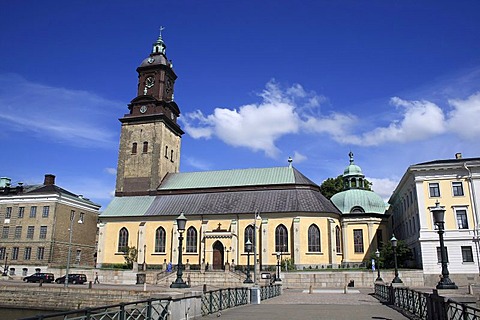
[
  {"x": 379, "y": 279},
  {"x": 248, "y": 247},
  {"x": 278, "y": 267},
  {"x": 438, "y": 213},
  {"x": 179, "y": 283},
  {"x": 80, "y": 221},
  {"x": 394, "y": 245}
]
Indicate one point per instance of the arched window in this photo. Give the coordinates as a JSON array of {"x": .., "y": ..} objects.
[
  {"x": 191, "y": 239},
  {"x": 171, "y": 155},
  {"x": 357, "y": 209},
  {"x": 160, "y": 240},
  {"x": 166, "y": 152},
  {"x": 134, "y": 148},
  {"x": 122, "y": 240},
  {"x": 145, "y": 147},
  {"x": 338, "y": 240},
  {"x": 314, "y": 239},
  {"x": 281, "y": 239},
  {"x": 249, "y": 234}
]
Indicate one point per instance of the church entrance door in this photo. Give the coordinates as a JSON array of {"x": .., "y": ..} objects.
[{"x": 218, "y": 250}]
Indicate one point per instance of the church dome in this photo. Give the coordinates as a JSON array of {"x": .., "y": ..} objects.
[
  {"x": 352, "y": 170},
  {"x": 356, "y": 201}
]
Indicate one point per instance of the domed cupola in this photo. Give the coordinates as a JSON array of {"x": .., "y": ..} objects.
[
  {"x": 353, "y": 177},
  {"x": 355, "y": 199}
]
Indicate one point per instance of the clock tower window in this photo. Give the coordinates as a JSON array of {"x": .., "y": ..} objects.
[
  {"x": 171, "y": 155},
  {"x": 134, "y": 148},
  {"x": 166, "y": 152},
  {"x": 145, "y": 147}
]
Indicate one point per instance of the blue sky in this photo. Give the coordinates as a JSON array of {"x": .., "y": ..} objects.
[{"x": 396, "y": 82}]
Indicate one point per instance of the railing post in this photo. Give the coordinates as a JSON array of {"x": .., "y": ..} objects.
[
  {"x": 211, "y": 302},
  {"x": 149, "y": 309},
  {"x": 221, "y": 300},
  {"x": 121, "y": 316}
]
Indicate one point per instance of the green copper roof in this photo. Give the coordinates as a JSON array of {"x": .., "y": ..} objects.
[
  {"x": 233, "y": 178},
  {"x": 128, "y": 206},
  {"x": 368, "y": 201},
  {"x": 352, "y": 169}
]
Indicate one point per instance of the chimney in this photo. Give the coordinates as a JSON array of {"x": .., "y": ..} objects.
[
  {"x": 458, "y": 155},
  {"x": 49, "y": 179}
]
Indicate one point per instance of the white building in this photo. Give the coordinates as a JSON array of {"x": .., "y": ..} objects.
[{"x": 455, "y": 184}]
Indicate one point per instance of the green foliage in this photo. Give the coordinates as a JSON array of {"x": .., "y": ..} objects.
[
  {"x": 332, "y": 186},
  {"x": 386, "y": 259},
  {"x": 288, "y": 263},
  {"x": 131, "y": 254}
]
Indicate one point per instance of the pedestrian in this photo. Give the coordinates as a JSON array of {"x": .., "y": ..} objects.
[
  {"x": 169, "y": 267},
  {"x": 96, "y": 278},
  {"x": 206, "y": 267}
]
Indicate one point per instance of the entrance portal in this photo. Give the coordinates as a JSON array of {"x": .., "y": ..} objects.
[{"x": 218, "y": 262}]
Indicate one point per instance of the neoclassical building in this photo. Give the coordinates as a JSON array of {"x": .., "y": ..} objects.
[{"x": 277, "y": 209}]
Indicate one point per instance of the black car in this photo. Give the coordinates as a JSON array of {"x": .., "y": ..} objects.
[
  {"x": 40, "y": 277},
  {"x": 75, "y": 278}
]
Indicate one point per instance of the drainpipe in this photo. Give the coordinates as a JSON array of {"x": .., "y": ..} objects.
[{"x": 475, "y": 213}]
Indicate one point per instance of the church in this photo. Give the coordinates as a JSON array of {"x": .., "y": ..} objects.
[{"x": 278, "y": 210}]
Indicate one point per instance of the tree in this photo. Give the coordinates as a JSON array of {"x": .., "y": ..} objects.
[
  {"x": 332, "y": 186},
  {"x": 386, "y": 260},
  {"x": 131, "y": 254}
]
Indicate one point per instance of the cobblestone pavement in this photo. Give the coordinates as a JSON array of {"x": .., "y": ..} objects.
[{"x": 301, "y": 305}]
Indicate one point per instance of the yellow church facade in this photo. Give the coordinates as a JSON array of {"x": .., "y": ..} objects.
[{"x": 279, "y": 210}]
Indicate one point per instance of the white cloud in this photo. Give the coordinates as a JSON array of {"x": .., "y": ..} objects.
[
  {"x": 255, "y": 126},
  {"x": 198, "y": 164},
  {"x": 112, "y": 171},
  {"x": 298, "y": 157},
  {"x": 73, "y": 116},
  {"x": 383, "y": 186},
  {"x": 465, "y": 116},
  {"x": 293, "y": 110}
]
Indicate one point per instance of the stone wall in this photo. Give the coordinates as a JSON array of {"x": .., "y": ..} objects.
[{"x": 362, "y": 279}]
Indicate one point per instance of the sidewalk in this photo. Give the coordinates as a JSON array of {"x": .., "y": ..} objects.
[{"x": 321, "y": 304}]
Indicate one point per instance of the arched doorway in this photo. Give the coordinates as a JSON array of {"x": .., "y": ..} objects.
[{"x": 218, "y": 261}]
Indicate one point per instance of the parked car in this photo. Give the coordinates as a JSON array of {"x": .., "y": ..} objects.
[
  {"x": 40, "y": 277},
  {"x": 75, "y": 278}
]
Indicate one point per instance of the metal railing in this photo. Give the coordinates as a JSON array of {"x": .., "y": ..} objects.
[
  {"x": 221, "y": 299},
  {"x": 267, "y": 292},
  {"x": 139, "y": 310},
  {"x": 426, "y": 306}
]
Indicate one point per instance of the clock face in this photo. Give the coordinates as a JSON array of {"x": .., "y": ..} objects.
[
  {"x": 143, "y": 109},
  {"x": 149, "y": 82}
]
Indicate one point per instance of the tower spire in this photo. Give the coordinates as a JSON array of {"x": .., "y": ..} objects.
[
  {"x": 159, "y": 45},
  {"x": 350, "y": 154}
]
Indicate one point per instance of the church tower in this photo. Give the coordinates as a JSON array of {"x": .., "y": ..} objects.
[{"x": 150, "y": 136}]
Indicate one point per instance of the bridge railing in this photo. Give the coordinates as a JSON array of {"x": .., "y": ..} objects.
[
  {"x": 425, "y": 306},
  {"x": 221, "y": 299},
  {"x": 145, "y": 309}
]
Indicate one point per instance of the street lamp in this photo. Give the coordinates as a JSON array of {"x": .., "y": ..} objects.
[
  {"x": 70, "y": 231},
  {"x": 277, "y": 278},
  {"x": 179, "y": 283},
  {"x": 379, "y": 279},
  {"x": 144, "y": 257},
  {"x": 438, "y": 213},
  {"x": 248, "y": 247},
  {"x": 394, "y": 245}
]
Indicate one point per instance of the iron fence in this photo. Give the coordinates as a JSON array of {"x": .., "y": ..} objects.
[
  {"x": 221, "y": 299},
  {"x": 425, "y": 306},
  {"x": 139, "y": 310},
  {"x": 267, "y": 292}
]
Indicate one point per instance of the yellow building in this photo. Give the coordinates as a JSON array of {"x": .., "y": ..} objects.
[
  {"x": 451, "y": 183},
  {"x": 279, "y": 210}
]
